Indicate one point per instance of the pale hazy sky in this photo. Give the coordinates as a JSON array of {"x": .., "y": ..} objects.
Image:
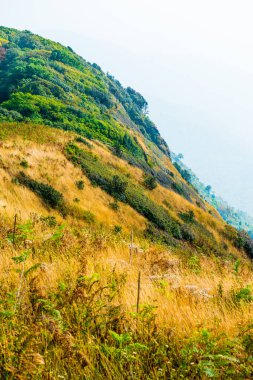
[{"x": 192, "y": 60}]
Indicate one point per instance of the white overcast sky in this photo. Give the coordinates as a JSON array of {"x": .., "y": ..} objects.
[{"x": 192, "y": 60}]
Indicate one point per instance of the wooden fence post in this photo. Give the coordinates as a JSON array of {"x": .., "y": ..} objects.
[
  {"x": 14, "y": 230},
  {"x": 131, "y": 247},
  {"x": 138, "y": 291}
]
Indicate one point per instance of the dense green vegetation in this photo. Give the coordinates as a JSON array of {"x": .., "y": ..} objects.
[{"x": 44, "y": 82}]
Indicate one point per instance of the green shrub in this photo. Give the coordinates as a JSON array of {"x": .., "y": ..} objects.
[
  {"x": 83, "y": 141},
  {"x": 188, "y": 216},
  {"x": 157, "y": 236},
  {"x": 150, "y": 182},
  {"x": 117, "y": 186},
  {"x": 49, "y": 220},
  {"x": 24, "y": 164},
  {"x": 187, "y": 234},
  {"x": 47, "y": 193},
  {"x": 244, "y": 241},
  {"x": 80, "y": 185},
  {"x": 88, "y": 217},
  {"x": 114, "y": 205},
  {"x": 194, "y": 264},
  {"x": 244, "y": 295},
  {"x": 117, "y": 229}
]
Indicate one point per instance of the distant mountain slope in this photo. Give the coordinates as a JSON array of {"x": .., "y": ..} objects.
[{"x": 237, "y": 218}]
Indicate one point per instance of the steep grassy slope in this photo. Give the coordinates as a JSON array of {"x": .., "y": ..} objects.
[
  {"x": 44, "y": 82},
  {"x": 69, "y": 293},
  {"x": 112, "y": 190},
  {"x": 82, "y": 168}
]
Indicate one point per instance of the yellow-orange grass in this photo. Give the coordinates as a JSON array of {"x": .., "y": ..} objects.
[{"x": 179, "y": 310}]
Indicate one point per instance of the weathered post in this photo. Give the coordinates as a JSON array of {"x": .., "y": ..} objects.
[
  {"x": 131, "y": 247},
  {"x": 14, "y": 230},
  {"x": 138, "y": 291}
]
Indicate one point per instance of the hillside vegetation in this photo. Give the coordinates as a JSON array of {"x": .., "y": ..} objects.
[
  {"x": 112, "y": 266},
  {"x": 236, "y": 218}
]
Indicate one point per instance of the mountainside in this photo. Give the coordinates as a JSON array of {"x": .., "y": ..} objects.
[
  {"x": 112, "y": 264},
  {"x": 236, "y": 218}
]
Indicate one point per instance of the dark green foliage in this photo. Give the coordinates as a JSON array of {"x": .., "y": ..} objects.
[
  {"x": 244, "y": 295},
  {"x": 157, "y": 236},
  {"x": 150, "y": 182},
  {"x": 244, "y": 241},
  {"x": 114, "y": 205},
  {"x": 47, "y": 193},
  {"x": 24, "y": 164},
  {"x": 80, "y": 185},
  {"x": 188, "y": 216},
  {"x": 88, "y": 217},
  {"x": 184, "y": 172},
  {"x": 187, "y": 233},
  {"x": 117, "y": 187},
  {"x": 117, "y": 229},
  {"x": 49, "y": 220},
  {"x": 117, "y": 150},
  {"x": 6, "y": 115},
  {"x": 83, "y": 141},
  {"x": 181, "y": 190},
  {"x": 137, "y": 99}
]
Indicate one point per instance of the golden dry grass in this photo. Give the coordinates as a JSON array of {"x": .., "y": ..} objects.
[{"x": 196, "y": 293}]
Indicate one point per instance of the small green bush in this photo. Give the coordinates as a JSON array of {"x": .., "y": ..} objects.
[
  {"x": 88, "y": 217},
  {"x": 188, "y": 216},
  {"x": 117, "y": 186},
  {"x": 80, "y": 185},
  {"x": 49, "y": 220},
  {"x": 117, "y": 229},
  {"x": 244, "y": 295},
  {"x": 24, "y": 164},
  {"x": 114, "y": 205},
  {"x": 150, "y": 182},
  {"x": 187, "y": 233}
]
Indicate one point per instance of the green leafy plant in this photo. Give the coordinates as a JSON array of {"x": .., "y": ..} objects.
[
  {"x": 24, "y": 164},
  {"x": 114, "y": 205},
  {"x": 80, "y": 184}
]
